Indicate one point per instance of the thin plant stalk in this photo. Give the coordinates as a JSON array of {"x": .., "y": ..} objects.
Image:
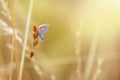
[
  {"x": 11, "y": 60},
  {"x": 16, "y": 49},
  {"x": 25, "y": 38},
  {"x": 17, "y": 59},
  {"x": 91, "y": 54},
  {"x": 13, "y": 38}
]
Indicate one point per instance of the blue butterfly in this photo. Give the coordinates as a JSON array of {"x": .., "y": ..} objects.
[{"x": 43, "y": 30}]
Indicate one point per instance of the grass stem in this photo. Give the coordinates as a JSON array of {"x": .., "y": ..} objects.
[{"x": 25, "y": 38}]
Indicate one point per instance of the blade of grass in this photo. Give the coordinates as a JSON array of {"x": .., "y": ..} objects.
[{"x": 25, "y": 38}]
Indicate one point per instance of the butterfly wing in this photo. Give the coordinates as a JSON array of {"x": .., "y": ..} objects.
[{"x": 43, "y": 30}]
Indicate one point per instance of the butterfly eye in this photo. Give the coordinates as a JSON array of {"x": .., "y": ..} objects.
[{"x": 32, "y": 52}]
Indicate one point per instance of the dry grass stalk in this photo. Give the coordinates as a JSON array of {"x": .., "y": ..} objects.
[
  {"x": 12, "y": 11},
  {"x": 91, "y": 54},
  {"x": 25, "y": 38}
]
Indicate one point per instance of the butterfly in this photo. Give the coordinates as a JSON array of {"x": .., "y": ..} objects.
[{"x": 43, "y": 30}]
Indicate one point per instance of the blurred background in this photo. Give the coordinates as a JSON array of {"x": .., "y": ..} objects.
[{"x": 82, "y": 42}]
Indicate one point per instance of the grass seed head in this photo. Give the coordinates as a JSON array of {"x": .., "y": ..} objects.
[
  {"x": 35, "y": 42},
  {"x": 32, "y": 52}
]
